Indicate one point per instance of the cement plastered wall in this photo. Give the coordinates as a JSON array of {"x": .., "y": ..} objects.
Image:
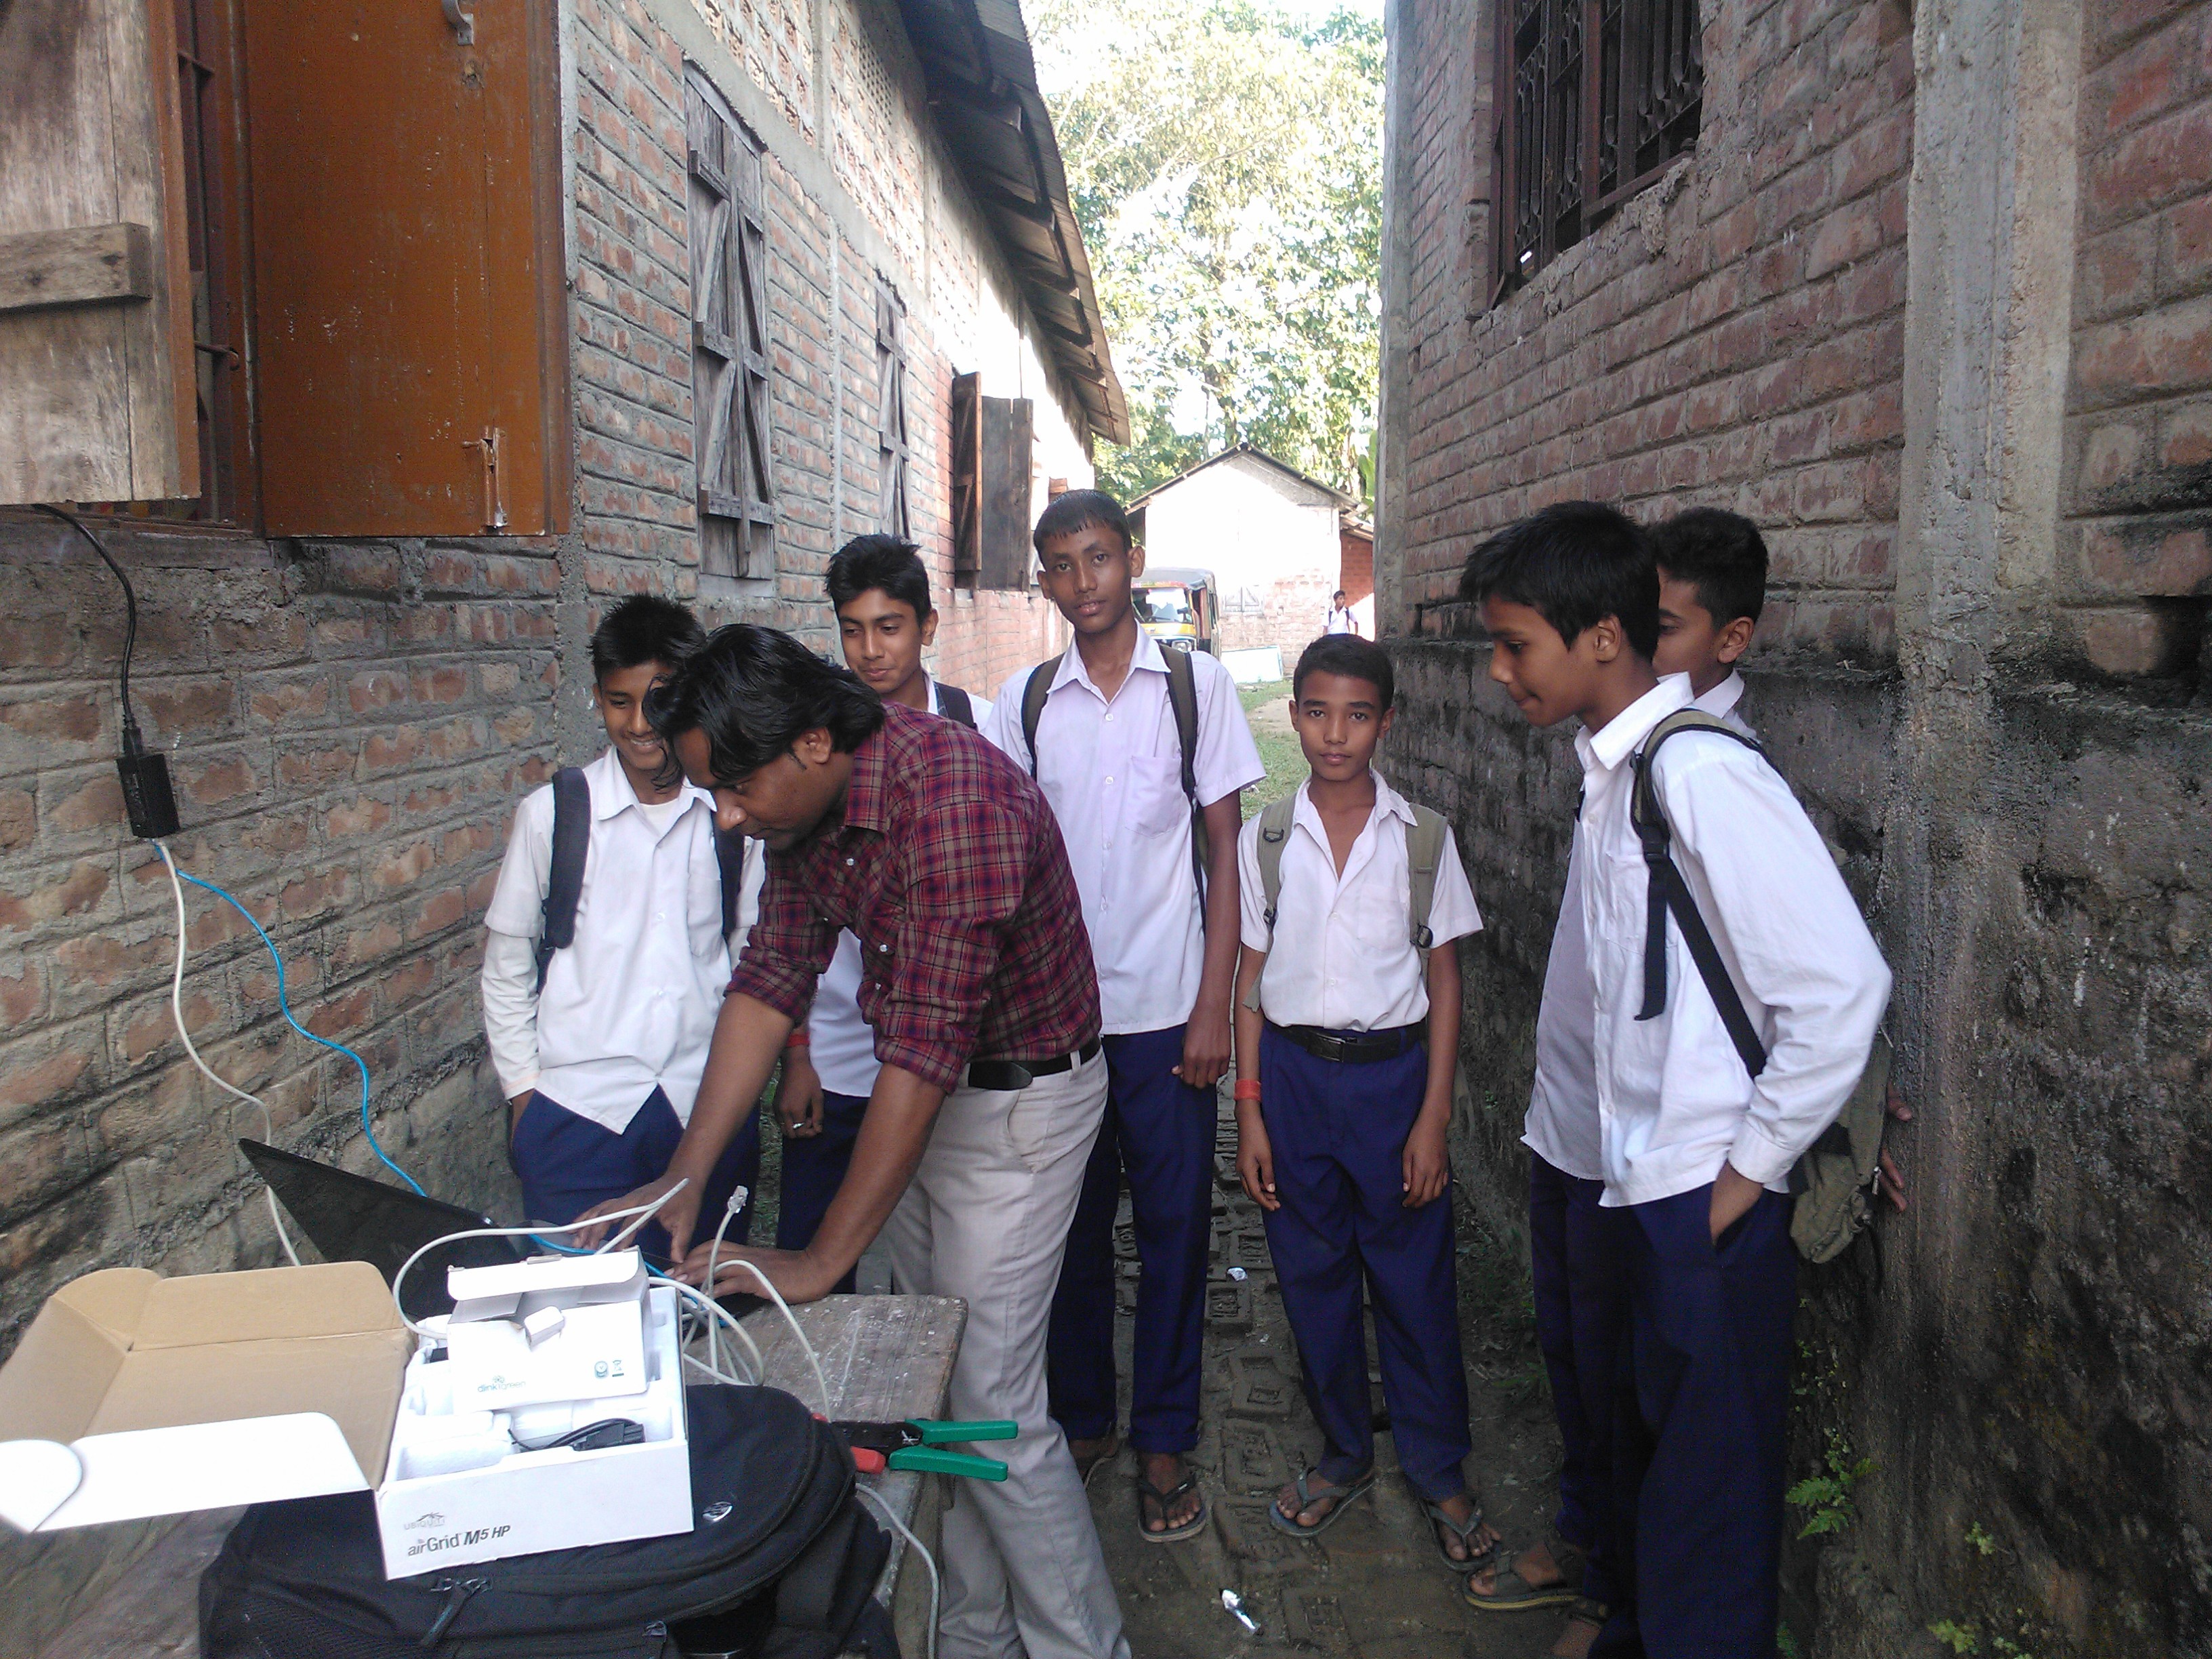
[{"x": 1984, "y": 683}]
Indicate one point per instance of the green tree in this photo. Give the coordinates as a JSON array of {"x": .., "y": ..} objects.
[{"x": 1226, "y": 163}]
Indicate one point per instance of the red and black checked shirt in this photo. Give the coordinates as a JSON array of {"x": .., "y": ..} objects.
[{"x": 949, "y": 868}]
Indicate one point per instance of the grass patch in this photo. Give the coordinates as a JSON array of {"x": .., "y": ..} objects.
[{"x": 1278, "y": 746}]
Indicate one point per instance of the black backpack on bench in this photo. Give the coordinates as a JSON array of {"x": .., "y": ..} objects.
[{"x": 781, "y": 1563}]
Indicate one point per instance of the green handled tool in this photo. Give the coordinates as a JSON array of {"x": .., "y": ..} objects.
[{"x": 917, "y": 1444}]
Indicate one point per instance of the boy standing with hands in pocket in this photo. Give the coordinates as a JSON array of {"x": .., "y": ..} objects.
[{"x": 1347, "y": 1036}]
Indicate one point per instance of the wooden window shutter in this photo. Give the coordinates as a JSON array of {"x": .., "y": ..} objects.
[
  {"x": 1006, "y": 444},
  {"x": 96, "y": 375},
  {"x": 411, "y": 324},
  {"x": 729, "y": 338},
  {"x": 893, "y": 513},
  {"x": 966, "y": 441}
]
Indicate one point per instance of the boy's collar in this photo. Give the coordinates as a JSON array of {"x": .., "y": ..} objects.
[
  {"x": 1388, "y": 803},
  {"x": 1146, "y": 655},
  {"x": 1724, "y": 697},
  {"x": 612, "y": 793},
  {"x": 1623, "y": 733}
]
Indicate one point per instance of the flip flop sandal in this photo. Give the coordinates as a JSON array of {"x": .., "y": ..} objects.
[
  {"x": 1336, "y": 1498},
  {"x": 1162, "y": 1502},
  {"x": 1510, "y": 1592},
  {"x": 1441, "y": 1521},
  {"x": 1108, "y": 1451},
  {"x": 1589, "y": 1611}
]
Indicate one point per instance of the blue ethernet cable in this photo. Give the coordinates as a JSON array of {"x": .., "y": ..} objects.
[{"x": 283, "y": 1002}]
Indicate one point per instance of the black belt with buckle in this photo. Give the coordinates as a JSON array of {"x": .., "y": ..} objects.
[
  {"x": 1354, "y": 1047},
  {"x": 1003, "y": 1075}
]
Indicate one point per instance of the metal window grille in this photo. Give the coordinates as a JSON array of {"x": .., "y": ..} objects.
[
  {"x": 891, "y": 430},
  {"x": 1591, "y": 100}
]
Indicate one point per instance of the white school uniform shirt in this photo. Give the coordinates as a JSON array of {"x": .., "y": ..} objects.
[
  {"x": 631, "y": 1005},
  {"x": 841, "y": 1046},
  {"x": 1562, "y": 1126},
  {"x": 1342, "y": 955},
  {"x": 1113, "y": 772},
  {"x": 1675, "y": 1101}
]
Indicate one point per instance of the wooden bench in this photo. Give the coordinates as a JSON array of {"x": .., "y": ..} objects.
[{"x": 884, "y": 1358}]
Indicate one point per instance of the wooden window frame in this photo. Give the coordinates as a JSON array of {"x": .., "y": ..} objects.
[
  {"x": 1558, "y": 110},
  {"x": 893, "y": 509},
  {"x": 964, "y": 446},
  {"x": 730, "y": 420},
  {"x": 216, "y": 200}
]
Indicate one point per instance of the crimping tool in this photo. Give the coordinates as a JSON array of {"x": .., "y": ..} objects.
[{"x": 917, "y": 1444}]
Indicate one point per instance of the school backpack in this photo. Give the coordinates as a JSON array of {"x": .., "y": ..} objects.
[
  {"x": 572, "y": 842},
  {"x": 781, "y": 1564},
  {"x": 1182, "y": 699},
  {"x": 1834, "y": 1181},
  {"x": 1424, "y": 852},
  {"x": 956, "y": 705}
]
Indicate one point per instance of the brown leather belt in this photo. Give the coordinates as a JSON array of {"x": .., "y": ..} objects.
[{"x": 1353, "y": 1047}]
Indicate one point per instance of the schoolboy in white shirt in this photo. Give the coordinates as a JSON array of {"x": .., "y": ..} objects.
[
  {"x": 1344, "y": 1063},
  {"x": 1694, "y": 1148},
  {"x": 1712, "y": 585},
  {"x": 599, "y": 1044},
  {"x": 880, "y": 591},
  {"x": 1110, "y": 757}
]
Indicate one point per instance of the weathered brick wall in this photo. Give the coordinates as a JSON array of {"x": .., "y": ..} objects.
[{"x": 2136, "y": 568}]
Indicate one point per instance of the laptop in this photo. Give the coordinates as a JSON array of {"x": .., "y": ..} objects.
[{"x": 351, "y": 1217}]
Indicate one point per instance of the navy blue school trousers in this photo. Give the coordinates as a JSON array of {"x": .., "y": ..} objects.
[
  {"x": 813, "y": 1168},
  {"x": 1582, "y": 1307},
  {"x": 1701, "y": 1424},
  {"x": 1159, "y": 1132},
  {"x": 1338, "y": 1133},
  {"x": 569, "y": 1163}
]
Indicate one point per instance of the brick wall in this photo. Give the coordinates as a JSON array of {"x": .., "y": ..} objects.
[{"x": 2136, "y": 570}]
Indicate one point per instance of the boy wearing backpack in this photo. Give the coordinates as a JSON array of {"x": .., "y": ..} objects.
[
  {"x": 1735, "y": 996},
  {"x": 1712, "y": 585},
  {"x": 884, "y": 619},
  {"x": 608, "y": 942},
  {"x": 1142, "y": 753},
  {"x": 1347, "y": 1036}
]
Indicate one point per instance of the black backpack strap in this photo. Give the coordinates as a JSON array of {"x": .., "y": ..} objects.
[
  {"x": 730, "y": 860},
  {"x": 956, "y": 705},
  {"x": 1182, "y": 700},
  {"x": 1034, "y": 690},
  {"x": 1669, "y": 891},
  {"x": 564, "y": 882}
]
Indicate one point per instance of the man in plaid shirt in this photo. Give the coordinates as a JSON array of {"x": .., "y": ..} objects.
[{"x": 944, "y": 860}]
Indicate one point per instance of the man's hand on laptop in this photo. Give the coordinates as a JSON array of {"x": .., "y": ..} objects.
[{"x": 680, "y": 1215}]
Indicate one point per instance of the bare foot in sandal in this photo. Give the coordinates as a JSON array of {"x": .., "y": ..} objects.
[
  {"x": 1575, "y": 1640},
  {"x": 1321, "y": 1499},
  {"x": 1457, "y": 1542},
  {"x": 1536, "y": 1569},
  {"x": 1167, "y": 1499}
]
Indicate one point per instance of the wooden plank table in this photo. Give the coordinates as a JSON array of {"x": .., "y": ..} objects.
[{"x": 885, "y": 1357}]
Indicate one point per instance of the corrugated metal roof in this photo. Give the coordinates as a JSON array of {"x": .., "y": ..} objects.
[
  {"x": 1247, "y": 452},
  {"x": 983, "y": 91}
]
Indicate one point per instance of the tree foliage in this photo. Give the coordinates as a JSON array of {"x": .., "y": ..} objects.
[{"x": 1226, "y": 163}]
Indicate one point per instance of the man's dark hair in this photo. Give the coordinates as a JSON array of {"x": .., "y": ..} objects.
[
  {"x": 644, "y": 628},
  {"x": 1338, "y": 594},
  {"x": 1351, "y": 656},
  {"x": 1079, "y": 510},
  {"x": 1575, "y": 564},
  {"x": 754, "y": 692},
  {"x": 885, "y": 563},
  {"x": 1720, "y": 553}
]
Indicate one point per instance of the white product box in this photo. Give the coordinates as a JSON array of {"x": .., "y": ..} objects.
[
  {"x": 526, "y": 1333},
  {"x": 457, "y": 1488}
]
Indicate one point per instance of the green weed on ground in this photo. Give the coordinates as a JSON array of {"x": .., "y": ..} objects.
[{"x": 1278, "y": 746}]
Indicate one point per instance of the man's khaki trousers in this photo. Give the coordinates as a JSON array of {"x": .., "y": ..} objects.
[{"x": 986, "y": 1219}]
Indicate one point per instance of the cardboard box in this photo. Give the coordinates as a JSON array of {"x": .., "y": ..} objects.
[
  {"x": 455, "y": 1490},
  {"x": 133, "y": 1395}
]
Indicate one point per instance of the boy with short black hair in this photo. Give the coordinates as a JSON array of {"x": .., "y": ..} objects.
[
  {"x": 1695, "y": 1143},
  {"x": 1347, "y": 1036},
  {"x": 1712, "y": 585},
  {"x": 880, "y": 591},
  {"x": 608, "y": 941},
  {"x": 1143, "y": 753}
]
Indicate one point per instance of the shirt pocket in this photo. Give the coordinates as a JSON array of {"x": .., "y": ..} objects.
[{"x": 1158, "y": 805}]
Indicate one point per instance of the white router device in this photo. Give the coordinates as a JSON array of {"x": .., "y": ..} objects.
[{"x": 548, "y": 1329}]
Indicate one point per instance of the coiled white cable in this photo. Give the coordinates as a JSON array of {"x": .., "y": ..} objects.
[
  {"x": 177, "y": 1013},
  {"x": 707, "y": 1303},
  {"x": 914, "y": 1543}
]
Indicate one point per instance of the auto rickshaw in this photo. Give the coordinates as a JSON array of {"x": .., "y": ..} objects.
[{"x": 1180, "y": 608}]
